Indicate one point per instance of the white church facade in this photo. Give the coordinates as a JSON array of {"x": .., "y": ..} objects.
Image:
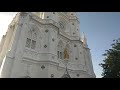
[{"x": 45, "y": 45}]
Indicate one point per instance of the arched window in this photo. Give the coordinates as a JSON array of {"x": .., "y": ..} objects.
[
  {"x": 31, "y": 38},
  {"x": 60, "y": 50}
]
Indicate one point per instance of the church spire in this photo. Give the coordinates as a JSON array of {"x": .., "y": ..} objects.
[{"x": 84, "y": 40}]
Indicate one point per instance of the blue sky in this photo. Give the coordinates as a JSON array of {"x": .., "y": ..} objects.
[{"x": 100, "y": 29}]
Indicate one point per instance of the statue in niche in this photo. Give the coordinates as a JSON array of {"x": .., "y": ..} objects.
[{"x": 66, "y": 54}]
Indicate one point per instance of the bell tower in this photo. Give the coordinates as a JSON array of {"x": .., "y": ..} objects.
[
  {"x": 41, "y": 43},
  {"x": 68, "y": 21}
]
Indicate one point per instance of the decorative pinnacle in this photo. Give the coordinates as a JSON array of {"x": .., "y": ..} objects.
[{"x": 84, "y": 40}]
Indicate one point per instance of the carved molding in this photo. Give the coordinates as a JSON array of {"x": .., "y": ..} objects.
[
  {"x": 44, "y": 21},
  {"x": 32, "y": 54},
  {"x": 31, "y": 62}
]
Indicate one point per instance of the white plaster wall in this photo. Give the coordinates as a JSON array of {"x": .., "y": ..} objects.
[
  {"x": 2, "y": 42},
  {"x": 36, "y": 58},
  {"x": 7, "y": 66}
]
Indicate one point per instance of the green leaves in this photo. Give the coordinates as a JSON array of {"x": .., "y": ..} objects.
[{"x": 111, "y": 63}]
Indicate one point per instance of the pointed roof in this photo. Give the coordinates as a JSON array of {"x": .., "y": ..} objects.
[{"x": 66, "y": 74}]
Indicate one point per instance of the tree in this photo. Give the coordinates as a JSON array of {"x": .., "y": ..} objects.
[{"x": 111, "y": 63}]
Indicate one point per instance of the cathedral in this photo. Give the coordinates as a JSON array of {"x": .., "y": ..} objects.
[{"x": 45, "y": 45}]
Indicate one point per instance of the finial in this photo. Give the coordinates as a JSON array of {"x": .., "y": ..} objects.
[{"x": 84, "y": 40}]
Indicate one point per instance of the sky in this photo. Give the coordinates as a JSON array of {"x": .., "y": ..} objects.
[
  {"x": 5, "y": 19},
  {"x": 100, "y": 29}
]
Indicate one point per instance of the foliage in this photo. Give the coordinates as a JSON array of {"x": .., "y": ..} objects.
[{"x": 111, "y": 63}]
